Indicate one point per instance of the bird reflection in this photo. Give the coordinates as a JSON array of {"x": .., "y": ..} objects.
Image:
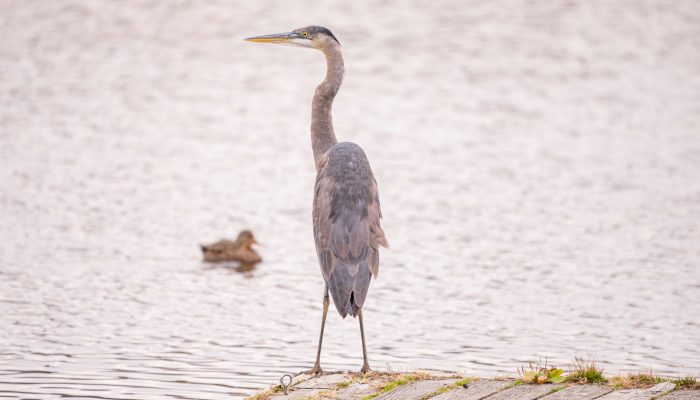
[{"x": 245, "y": 268}]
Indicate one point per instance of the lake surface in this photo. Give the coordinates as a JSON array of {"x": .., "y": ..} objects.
[{"x": 538, "y": 166}]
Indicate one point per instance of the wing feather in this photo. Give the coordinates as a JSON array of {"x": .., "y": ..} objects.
[{"x": 346, "y": 219}]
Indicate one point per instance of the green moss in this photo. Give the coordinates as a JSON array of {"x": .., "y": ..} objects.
[
  {"x": 464, "y": 381},
  {"x": 512, "y": 385},
  {"x": 661, "y": 395},
  {"x": 447, "y": 388},
  {"x": 391, "y": 386},
  {"x": 557, "y": 388},
  {"x": 343, "y": 385},
  {"x": 264, "y": 395}
]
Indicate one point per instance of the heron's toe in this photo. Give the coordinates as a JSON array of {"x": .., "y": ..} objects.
[{"x": 315, "y": 371}]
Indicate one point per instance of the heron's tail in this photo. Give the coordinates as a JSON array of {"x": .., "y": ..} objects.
[{"x": 347, "y": 289}]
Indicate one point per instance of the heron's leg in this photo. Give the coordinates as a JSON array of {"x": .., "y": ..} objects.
[
  {"x": 317, "y": 367},
  {"x": 365, "y": 366}
]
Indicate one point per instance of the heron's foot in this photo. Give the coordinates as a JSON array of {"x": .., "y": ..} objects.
[
  {"x": 365, "y": 368},
  {"x": 315, "y": 371}
]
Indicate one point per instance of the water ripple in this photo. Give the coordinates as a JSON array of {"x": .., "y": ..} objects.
[{"x": 537, "y": 165}]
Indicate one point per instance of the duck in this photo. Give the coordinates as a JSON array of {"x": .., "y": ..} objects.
[{"x": 240, "y": 249}]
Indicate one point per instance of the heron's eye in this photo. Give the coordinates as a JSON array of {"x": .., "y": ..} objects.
[{"x": 305, "y": 34}]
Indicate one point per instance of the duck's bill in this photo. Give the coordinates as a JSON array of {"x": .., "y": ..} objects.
[{"x": 287, "y": 37}]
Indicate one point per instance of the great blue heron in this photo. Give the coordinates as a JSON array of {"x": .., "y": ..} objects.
[{"x": 346, "y": 210}]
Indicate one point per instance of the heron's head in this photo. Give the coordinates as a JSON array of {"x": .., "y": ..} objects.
[{"x": 315, "y": 37}]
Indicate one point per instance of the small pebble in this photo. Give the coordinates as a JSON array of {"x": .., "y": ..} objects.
[{"x": 466, "y": 386}]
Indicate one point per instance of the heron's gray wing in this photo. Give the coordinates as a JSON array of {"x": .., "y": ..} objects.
[
  {"x": 346, "y": 225},
  {"x": 376, "y": 233},
  {"x": 323, "y": 232}
]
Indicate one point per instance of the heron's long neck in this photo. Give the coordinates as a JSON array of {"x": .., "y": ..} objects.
[{"x": 322, "y": 135}]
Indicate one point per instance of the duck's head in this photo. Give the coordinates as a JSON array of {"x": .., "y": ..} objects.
[{"x": 246, "y": 239}]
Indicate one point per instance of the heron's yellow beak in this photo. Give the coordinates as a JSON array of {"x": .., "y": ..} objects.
[{"x": 287, "y": 37}]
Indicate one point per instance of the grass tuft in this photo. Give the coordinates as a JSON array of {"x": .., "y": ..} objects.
[
  {"x": 638, "y": 380},
  {"x": 687, "y": 382},
  {"x": 539, "y": 373},
  {"x": 585, "y": 371}
]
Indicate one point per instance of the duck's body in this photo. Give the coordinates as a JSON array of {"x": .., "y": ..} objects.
[{"x": 233, "y": 250}]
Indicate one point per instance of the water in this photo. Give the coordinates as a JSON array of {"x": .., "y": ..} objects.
[{"x": 537, "y": 164}]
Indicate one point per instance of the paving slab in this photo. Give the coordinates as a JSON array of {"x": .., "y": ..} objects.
[
  {"x": 682, "y": 395},
  {"x": 579, "y": 392},
  {"x": 639, "y": 394},
  {"x": 524, "y": 392},
  {"x": 415, "y": 390},
  {"x": 478, "y": 390},
  {"x": 355, "y": 391},
  {"x": 305, "y": 386},
  {"x": 323, "y": 382},
  {"x": 297, "y": 394}
]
